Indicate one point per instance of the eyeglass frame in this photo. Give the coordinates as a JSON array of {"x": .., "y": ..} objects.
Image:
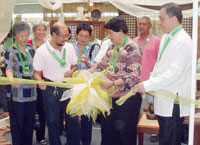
[{"x": 62, "y": 36}]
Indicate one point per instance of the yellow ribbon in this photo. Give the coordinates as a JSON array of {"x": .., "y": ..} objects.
[
  {"x": 87, "y": 96},
  {"x": 165, "y": 95},
  {"x": 9, "y": 81},
  {"x": 78, "y": 105}
]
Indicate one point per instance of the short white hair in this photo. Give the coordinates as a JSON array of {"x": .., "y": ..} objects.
[{"x": 38, "y": 23}]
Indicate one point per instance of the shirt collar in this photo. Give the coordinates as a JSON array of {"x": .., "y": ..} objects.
[{"x": 51, "y": 48}]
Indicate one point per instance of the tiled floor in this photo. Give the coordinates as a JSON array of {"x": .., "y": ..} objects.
[{"x": 96, "y": 136}]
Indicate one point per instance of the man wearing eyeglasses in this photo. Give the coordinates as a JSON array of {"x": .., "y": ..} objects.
[{"x": 56, "y": 59}]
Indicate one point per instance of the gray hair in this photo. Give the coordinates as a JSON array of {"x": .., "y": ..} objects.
[
  {"x": 147, "y": 18},
  {"x": 38, "y": 23},
  {"x": 20, "y": 27}
]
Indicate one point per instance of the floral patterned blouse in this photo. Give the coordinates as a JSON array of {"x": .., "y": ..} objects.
[{"x": 128, "y": 67}]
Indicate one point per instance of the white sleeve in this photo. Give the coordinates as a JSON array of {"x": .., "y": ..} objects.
[
  {"x": 104, "y": 47},
  {"x": 73, "y": 54},
  {"x": 179, "y": 62},
  {"x": 38, "y": 61}
]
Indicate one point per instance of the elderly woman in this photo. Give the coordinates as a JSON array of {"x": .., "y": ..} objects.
[
  {"x": 39, "y": 31},
  {"x": 22, "y": 98},
  {"x": 124, "y": 59}
]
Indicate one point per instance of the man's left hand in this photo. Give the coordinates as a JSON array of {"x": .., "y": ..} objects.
[{"x": 139, "y": 88}]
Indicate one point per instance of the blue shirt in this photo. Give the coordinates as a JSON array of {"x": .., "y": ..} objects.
[{"x": 94, "y": 52}]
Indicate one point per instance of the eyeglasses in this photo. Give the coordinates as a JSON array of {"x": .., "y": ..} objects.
[{"x": 63, "y": 36}]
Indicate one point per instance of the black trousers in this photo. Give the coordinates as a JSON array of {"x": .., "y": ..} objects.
[
  {"x": 3, "y": 98},
  {"x": 22, "y": 118},
  {"x": 170, "y": 128},
  {"x": 40, "y": 133},
  {"x": 120, "y": 127}
]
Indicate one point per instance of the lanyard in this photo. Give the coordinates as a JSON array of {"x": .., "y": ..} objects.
[
  {"x": 115, "y": 56},
  {"x": 146, "y": 42},
  {"x": 95, "y": 41},
  {"x": 62, "y": 61},
  {"x": 168, "y": 40},
  {"x": 84, "y": 52},
  {"x": 25, "y": 67},
  {"x": 34, "y": 45}
]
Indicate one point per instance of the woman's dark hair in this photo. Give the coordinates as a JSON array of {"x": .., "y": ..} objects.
[
  {"x": 85, "y": 27},
  {"x": 116, "y": 24}
]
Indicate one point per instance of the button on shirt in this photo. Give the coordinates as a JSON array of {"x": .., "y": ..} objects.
[
  {"x": 95, "y": 51},
  {"x": 52, "y": 70},
  {"x": 149, "y": 55},
  {"x": 172, "y": 73}
]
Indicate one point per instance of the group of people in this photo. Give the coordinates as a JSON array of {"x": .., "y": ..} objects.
[{"x": 140, "y": 65}]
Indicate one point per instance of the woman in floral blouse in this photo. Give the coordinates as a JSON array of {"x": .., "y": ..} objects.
[{"x": 124, "y": 59}]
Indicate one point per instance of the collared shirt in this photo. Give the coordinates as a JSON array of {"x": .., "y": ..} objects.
[
  {"x": 172, "y": 73},
  {"x": 149, "y": 55},
  {"x": 25, "y": 93},
  {"x": 128, "y": 67},
  {"x": 51, "y": 68},
  {"x": 94, "y": 52},
  {"x": 103, "y": 49}
]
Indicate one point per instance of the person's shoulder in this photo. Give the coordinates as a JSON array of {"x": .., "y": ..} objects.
[
  {"x": 69, "y": 48},
  {"x": 42, "y": 49},
  {"x": 68, "y": 45},
  {"x": 155, "y": 37},
  {"x": 12, "y": 48},
  {"x": 183, "y": 37}
]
